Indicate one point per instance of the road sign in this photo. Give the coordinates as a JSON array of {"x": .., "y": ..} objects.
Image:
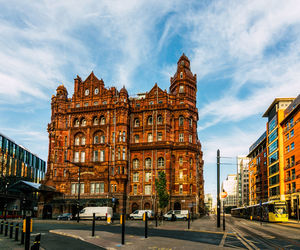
[{"x": 223, "y": 195}]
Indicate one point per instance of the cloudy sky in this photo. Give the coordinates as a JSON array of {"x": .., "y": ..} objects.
[{"x": 245, "y": 53}]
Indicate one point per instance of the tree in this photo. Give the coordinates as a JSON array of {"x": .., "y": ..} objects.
[{"x": 161, "y": 189}]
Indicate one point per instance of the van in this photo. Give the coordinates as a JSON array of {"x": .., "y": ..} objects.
[
  {"x": 138, "y": 214},
  {"x": 100, "y": 213},
  {"x": 179, "y": 215}
]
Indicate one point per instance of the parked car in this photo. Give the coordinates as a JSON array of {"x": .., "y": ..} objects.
[
  {"x": 138, "y": 214},
  {"x": 177, "y": 214},
  {"x": 65, "y": 216},
  {"x": 100, "y": 213}
]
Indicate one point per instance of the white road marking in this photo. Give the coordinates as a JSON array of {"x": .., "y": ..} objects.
[{"x": 223, "y": 240}]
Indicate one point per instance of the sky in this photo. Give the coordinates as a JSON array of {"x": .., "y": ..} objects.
[{"x": 245, "y": 54}]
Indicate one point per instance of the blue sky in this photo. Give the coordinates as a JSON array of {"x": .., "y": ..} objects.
[{"x": 245, "y": 53}]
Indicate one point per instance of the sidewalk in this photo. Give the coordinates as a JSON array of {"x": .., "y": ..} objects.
[
  {"x": 9, "y": 244},
  {"x": 203, "y": 235}
]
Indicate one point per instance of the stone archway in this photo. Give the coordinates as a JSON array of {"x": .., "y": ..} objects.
[
  {"x": 177, "y": 206},
  {"x": 134, "y": 207},
  {"x": 147, "y": 206}
]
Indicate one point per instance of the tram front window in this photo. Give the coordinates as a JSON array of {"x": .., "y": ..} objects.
[{"x": 279, "y": 210}]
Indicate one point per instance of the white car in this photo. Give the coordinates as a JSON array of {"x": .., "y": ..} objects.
[
  {"x": 138, "y": 214},
  {"x": 179, "y": 214},
  {"x": 100, "y": 213}
]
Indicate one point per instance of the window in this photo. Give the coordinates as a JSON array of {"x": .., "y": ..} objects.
[
  {"x": 96, "y": 91},
  {"x": 292, "y": 133},
  {"x": 104, "y": 102},
  {"x": 76, "y": 157},
  {"x": 82, "y": 188},
  {"x": 287, "y": 137},
  {"x": 135, "y": 189},
  {"x": 119, "y": 154},
  {"x": 73, "y": 188},
  {"x": 273, "y": 136},
  {"x": 136, "y": 138},
  {"x": 83, "y": 140},
  {"x": 287, "y": 148},
  {"x": 102, "y": 120},
  {"x": 95, "y": 103},
  {"x": 150, "y": 137},
  {"x": 113, "y": 137},
  {"x": 148, "y": 163},
  {"x": 95, "y": 121},
  {"x": 191, "y": 122},
  {"x": 124, "y": 136},
  {"x": 82, "y": 157},
  {"x": 96, "y": 139},
  {"x": 181, "y": 89},
  {"x": 102, "y": 139},
  {"x": 77, "y": 105},
  {"x": 150, "y": 120},
  {"x": 147, "y": 189},
  {"x": 120, "y": 136},
  {"x": 181, "y": 120},
  {"x": 161, "y": 162},
  {"x": 180, "y": 174},
  {"x": 159, "y": 119},
  {"x": 181, "y": 75},
  {"x": 113, "y": 155},
  {"x": 95, "y": 155},
  {"x": 273, "y": 169},
  {"x": 291, "y": 122},
  {"x": 83, "y": 122},
  {"x": 124, "y": 154},
  {"x": 135, "y": 177},
  {"x": 180, "y": 160},
  {"x": 272, "y": 124},
  {"x": 292, "y": 145},
  {"x": 273, "y": 147},
  {"x": 147, "y": 176},
  {"x": 191, "y": 188},
  {"x": 77, "y": 139},
  {"x": 86, "y": 92},
  {"x": 181, "y": 138},
  {"x": 66, "y": 140},
  {"x": 180, "y": 189},
  {"x": 274, "y": 180},
  {"x": 92, "y": 189},
  {"x": 190, "y": 139},
  {"x": 76, "y": 123},
  {"x": 159, "y": 136},
  {"x": 102, "y": 155},
  {"x": 136, "y": 163},
  {"x": 273, "y": 157},
  {"x": 136, "y": 123},
  {"x": 191, "y": 163},
  {"x": 151, "y": 103},
  {"x": 101, "y": 187},
  {"x": 86, "y": 104}
]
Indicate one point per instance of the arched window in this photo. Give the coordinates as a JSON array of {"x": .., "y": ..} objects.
[
  {"x": 124, "y": 136},
  {"x": 77, "y": 140},
  {"x": 150, "y": 120},
  {"x": 98, "y": 137},
  {"x": 181, "y": 89},
  {"x": 95, "y": 121},
  {"x": 136, "y": 163},
  {"x": 181, "y": 120},
  {"x": 161, "y": 162},
  {"x": 102, "y": 120},
  {"x": 148, "y": 163},
  {"x": 159, "y": 119},
  {"x": 83, "y": 122},
  {"x": 83, "y": 140},
  {"x": 76, "y": 123},
  {"x": 136, "y": 122},
  {"x": 124, "y": 154}
]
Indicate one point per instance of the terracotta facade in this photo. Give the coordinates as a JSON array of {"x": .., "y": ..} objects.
[{"x": 120, "y": 144}]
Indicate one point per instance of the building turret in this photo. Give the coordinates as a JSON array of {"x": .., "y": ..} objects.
[{"x": 184, "y": 82}]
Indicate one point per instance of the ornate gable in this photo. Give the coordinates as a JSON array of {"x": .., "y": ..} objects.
[{"x": 155, "y": 91}]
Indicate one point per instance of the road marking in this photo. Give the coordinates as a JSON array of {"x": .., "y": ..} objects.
[
  {"x": 223, "y": 240},
  {"x": 204, "y": 231},
  {"x": 246, "y": 242},
  {"x": 37, "y": 234}
]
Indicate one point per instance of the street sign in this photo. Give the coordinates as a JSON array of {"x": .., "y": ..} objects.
[{"x": 223, "y": 195}]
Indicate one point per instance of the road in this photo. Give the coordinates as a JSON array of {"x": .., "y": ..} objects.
[{"x": 256, "y": 235}]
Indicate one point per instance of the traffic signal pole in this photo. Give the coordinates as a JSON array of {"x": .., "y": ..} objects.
[{"x": 218, "y": 190}]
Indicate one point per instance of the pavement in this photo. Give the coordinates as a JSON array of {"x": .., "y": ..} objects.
[{"x": 206, "y": 236}]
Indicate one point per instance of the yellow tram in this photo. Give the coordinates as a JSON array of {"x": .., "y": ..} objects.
[{"x": 271, "y": 211}]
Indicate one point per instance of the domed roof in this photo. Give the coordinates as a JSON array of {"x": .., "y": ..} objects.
[
  {"x": 123, "y": 91},
  {"x": 61, "y": 87}
]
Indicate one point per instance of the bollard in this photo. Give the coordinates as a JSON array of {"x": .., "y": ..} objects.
[
  {"x": 6, "y": 228},
  {"x": 1, "y": 227},
  {"x": 93, "y": 225},
  {"x": 11, "y": 230},
  {"x": 36, "y": 243},
  {"x": 17, "y": 232},
  {"x": 189, "y": 220},
  {"x": 155, "y": 219},
  {"x": 123, "y": 227},
  {"x": 146, "y": 224},
  {"x": 27, "y": 232}
]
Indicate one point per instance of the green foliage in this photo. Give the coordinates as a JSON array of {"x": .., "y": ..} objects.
[{"x": 161, "y": 188}]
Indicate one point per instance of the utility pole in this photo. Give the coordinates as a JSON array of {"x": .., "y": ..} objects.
[{"x": 218, "y": 190}]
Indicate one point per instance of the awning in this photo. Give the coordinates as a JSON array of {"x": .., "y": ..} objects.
[{"x": 26, "y": 186}]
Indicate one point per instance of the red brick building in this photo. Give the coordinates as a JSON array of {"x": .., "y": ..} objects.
[{"x": 121, "y": 143}]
